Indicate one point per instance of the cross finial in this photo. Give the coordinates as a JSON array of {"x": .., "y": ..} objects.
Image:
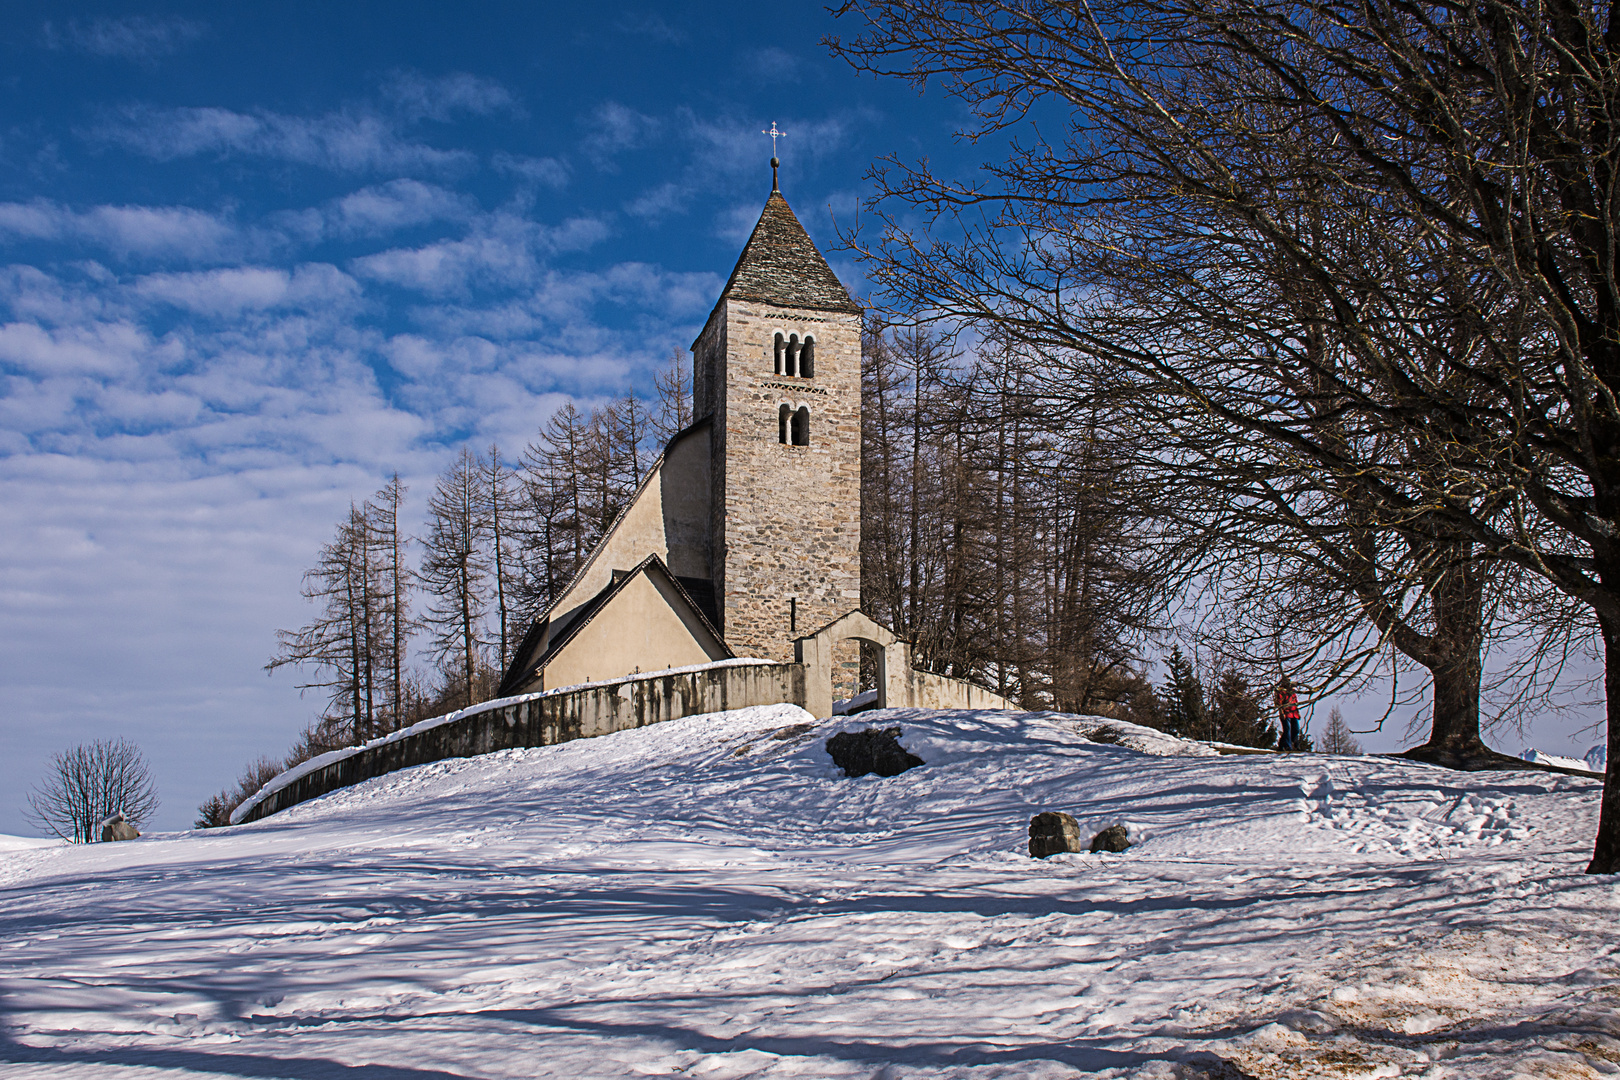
[{"x": 775, "y": 161}]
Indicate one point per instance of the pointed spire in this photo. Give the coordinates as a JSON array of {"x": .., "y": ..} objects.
[{"x": 780, "y": 264}]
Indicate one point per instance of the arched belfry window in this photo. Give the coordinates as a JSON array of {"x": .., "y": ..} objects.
[
  {"x": 792, "y": 354},
  {"x": 801, "y": 426},
  {"x": 784, "y": 420}
]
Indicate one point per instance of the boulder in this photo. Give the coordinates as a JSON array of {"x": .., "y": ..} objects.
[
  {"x": 874, "y": 750},
  {"x": 1114, "y": 838},
  {"x": 117, "y": 828},
  {"x": 1053, "y": 833}
]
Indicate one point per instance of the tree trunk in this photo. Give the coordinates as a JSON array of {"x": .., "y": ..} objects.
[
  {"x": 1606, "y": 851},
  {"x": 1453, "y": 659},
  {"x": 1455, "y": 731}
]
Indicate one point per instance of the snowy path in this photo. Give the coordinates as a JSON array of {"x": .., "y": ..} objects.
[{"x": 708, "y": 897}]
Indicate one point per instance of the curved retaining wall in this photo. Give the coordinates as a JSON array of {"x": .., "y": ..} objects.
[{"x": 537, "y": 720}]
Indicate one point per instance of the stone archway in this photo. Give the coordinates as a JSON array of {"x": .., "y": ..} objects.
[{"x": 815, "y": 652}]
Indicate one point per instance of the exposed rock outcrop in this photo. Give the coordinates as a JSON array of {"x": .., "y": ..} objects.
[
  {"x": 1053, "y": 833},
  {"x": 1114, "y": 838},
  {"x": 874, "y": 750}
]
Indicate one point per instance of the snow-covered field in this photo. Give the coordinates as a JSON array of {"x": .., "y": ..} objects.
[{"x": 710, "y": 898}]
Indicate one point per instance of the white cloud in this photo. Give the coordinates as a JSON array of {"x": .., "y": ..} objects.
[
  {"x": 126, "y": 231},
  {"x": 613, "y": 129},
  {"x": 395, "y": 205},
  {"x": 252, "y": 288},
  {"x": 647, "y": 24},
  {"x": 660, "y": 202},
  {"x": 420, "y": 97},
  {"x": 106, "y": 349},
  {"x": 133, "y": 37},
  {"x": 343, "y": 141},
  {"x": 772, "y": 64},
  {"x": 505, "y": 252},
  {"x": 546, "y": 171}
]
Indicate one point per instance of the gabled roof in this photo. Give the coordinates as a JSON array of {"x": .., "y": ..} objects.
[
  {"x": 780, "y": 265},
  {"x": 538, "y": 648}
]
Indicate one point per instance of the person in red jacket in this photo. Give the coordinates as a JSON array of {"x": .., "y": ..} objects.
[{"x": 1288, "y": 707}]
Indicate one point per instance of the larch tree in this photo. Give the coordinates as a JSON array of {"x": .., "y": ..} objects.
[
  {"x": 394, "y": 606},
  {"x": 455, "y": 574},
  {"x": 342, "y": 650},
  {"x": 673, "y": 384}
]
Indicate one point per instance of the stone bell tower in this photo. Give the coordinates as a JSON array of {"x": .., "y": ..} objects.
[{"x": 777, "y": 372}]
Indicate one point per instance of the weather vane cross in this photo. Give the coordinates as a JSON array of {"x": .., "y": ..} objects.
[
  {"x": 774, "y": 134},
  {"x": 775, "y": 161}
]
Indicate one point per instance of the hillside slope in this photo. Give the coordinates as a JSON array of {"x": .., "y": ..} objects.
[{"x": 710, "y": 897}]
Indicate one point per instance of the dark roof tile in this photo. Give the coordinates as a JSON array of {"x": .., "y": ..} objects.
[{"x": 780, "y": 265}]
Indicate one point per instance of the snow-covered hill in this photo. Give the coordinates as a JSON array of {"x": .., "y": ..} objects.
[{"x": 709, "y": 897}]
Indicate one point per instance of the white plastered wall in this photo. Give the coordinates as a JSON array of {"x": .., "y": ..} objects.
[{"x": 644, "y": 627}]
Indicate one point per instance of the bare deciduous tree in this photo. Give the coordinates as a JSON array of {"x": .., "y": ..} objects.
[
  {"x": 1465, "y": 158},
  {"x": 344, "y": 649},
  {"x": 1337, "y": 738},
  {"x": 455, "y": 571},
  {"x": 674, "y": 385},
  {"x": 89, "y": 784}
]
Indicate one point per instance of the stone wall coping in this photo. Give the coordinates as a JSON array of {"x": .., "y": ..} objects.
[{"x": 331, "y": 757}]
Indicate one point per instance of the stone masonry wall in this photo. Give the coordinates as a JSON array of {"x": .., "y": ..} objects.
[
  {"x": 791, "y": 519},
  {"x": 544, "y": 719}
]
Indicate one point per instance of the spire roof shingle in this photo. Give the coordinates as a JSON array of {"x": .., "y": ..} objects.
[{"x": 780, "y": 265}]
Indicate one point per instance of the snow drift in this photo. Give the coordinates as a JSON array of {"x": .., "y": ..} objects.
[{"x": 711, "y": 897}]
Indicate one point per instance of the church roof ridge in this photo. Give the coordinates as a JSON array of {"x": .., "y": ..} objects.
[{"x": 781, "y": 265}]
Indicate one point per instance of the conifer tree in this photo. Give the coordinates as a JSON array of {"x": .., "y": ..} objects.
[
  {"x": 393, "y": 639},
  {"x": 1185, "y": 713},
  {"x": 674, "y": 386}
]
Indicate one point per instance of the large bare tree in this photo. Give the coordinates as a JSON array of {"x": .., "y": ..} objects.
[{"x": 1465, "y": 157}]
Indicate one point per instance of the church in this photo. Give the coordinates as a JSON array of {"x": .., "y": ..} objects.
[
  {"x": 745, "y": 534},
  {"x": 733, "y": 577}
]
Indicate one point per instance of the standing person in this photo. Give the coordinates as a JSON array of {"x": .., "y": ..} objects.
[{"x": 1288, "y": 706}]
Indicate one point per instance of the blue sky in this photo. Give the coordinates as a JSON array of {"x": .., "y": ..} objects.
[{"x": 254, "y": 258}]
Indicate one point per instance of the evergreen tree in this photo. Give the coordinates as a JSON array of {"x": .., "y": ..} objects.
[
  {"x": 1237, "y": 714},
  {"x": 1185, "y": 714}
]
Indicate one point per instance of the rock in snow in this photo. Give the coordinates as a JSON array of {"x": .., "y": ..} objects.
[
  {"x": 1053, "y": 833},
  {"x": 874, "y": 750},
  {"x": 117, "y": 827},
  {"x": 1114, "y": 839}
]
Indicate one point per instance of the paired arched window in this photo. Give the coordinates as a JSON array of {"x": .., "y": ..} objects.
[
  {"x": 795, "y": 357},
  {"x": 793, "y": 426}
]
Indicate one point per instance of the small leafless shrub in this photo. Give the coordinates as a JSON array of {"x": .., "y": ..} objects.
[{"x": 89, "y": 784}]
